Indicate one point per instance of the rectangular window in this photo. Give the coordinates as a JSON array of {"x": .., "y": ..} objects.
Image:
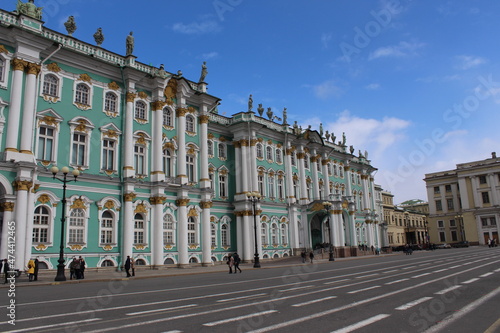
[
  {"x": 222, "y": 186},
  {"x": 190, "y": 168},
  {"x": 79, "y": 149},
  {"x": 436, "y": 190},
  {"x": 486, "y": 197},
  {"x": 454, "y": 236},
  {"x": 440, "y": 224},
  {"x": 45, "y": 143},
  {"x": 442, "y": 236},
  {"x": 140, "y": 160},
  {"x": 482, "y": 179},
  {"x": 447, "y": 188},
  {"x": 453, "y": 224},
  {"x": 449, "y": 202},
  {"x": 108, "y": 155},
  {"x": 139, "y": 232},
  {"x": 439, "y": 206}
]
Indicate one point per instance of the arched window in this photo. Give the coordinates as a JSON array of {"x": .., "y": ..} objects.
[
  {"x": 190, "y": 168},
  {"x": 306, "y": 161},
  {"x": 82, "y": 95},
  {"x": 168, "y": 230},
  {"x": 51, "y": 85},
  {"x": 167, "y": 118},
  {"x": 270, "y": 183},
  {"x": 107, "y": 263},
  {"x": 269, "y": 153},
  {"x": 260, "y": 152},
  {"x": 260, "y": 184},
  {"x": 189, "y": 123},
  {"x": 107, "y": 228},
  {"x": 111, "y": 102},
  {"x": 191, "y": 230},
  {"x": 76, "y": 226},
  {"x": 224, "y": 235},
  {"x": 279, "y": 156},
  {"x": 210, "y": 145},
  {"x": 222, "y": 185},
  {"x": 222, "y": 150},
  {"x": 140, "y": 110},
  {"x": 213, "y": 234},
  {"x": 41, "y": 225},
  {"x": 284, "y": 234},
  {"x": 274, "y": 233},
  {"x": 139, "y": 230},
  {"x": 263, "y": 234}
]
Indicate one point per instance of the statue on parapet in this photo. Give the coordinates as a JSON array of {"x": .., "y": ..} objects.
[
  {"x": 351, "y": 148},
  {"x": 130, "y": 43},
  {"x": 321, "y": 129},
  {"x": 269, "y": 113},
  {"x": 343, "y": 139},
  {"x": 296, "y": 128},
  {"x": 260, "y": 110},
  {"x": 204, "y": 72},
  {"x": 250, "y": 103},
  {"x": 29, "y": 9},
  {"x": 99, "y": 37},
  {"x": 70, "y": 25},
  {"x": 285, "y": 117},
  {"x": 327, "y": 136}
]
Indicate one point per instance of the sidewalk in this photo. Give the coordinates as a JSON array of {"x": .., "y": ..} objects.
[{"x": 46, "y": 277}]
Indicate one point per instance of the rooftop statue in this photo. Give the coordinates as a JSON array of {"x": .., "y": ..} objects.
[
  {"x": 204, "y": 72},
  {"x": 269, "y": 113},
  {"x": 250, "y": 103},
  {"x": 29, "y": 9},
  {"x": 343, "y": 139},
  {"x": 130, "y": 43},
  {"x": 351, "y": 148},
  {"x": 99, "y": 37},
  {"x": 296, "y": 128},
  {"x": 285, "y": 117},
  {"x": 321, "y": 129},
  {"x": 327, "y": 135},
  {"x": 70, "y": 25}
]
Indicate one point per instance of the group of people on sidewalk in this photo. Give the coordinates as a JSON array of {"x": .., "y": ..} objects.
[
  {"x": 303, "y": 256},
  {"x": 234, "y": 261},
  {"x": 32, "y": 270},
  {"x": 77, "y": 268},
  {"x": 129, "y": 265}
]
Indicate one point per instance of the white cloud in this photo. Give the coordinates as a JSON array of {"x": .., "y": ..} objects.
[
  {"x": 466, "y": 62},
  {"x": 373, "y": 86},
  {"x": 325, "y": 39},
  {"x": 197, "y": 28},
  {"x": 327, "y": 89},
  {"x": 403, "y": 49},
  {"x": 210, "y": 55}
]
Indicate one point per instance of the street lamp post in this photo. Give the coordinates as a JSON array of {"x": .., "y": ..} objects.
[
  {"x": 426, "y": 223},
  {"x": 254, "y": 197},
  {"x": 407, "y": 224},
  {"x": 65, "y": 170},
  {"x": 331, "y": 256}
]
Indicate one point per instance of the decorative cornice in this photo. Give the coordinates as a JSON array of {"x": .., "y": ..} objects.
[
  {"x": 22, "y": 185},
  {"x": 33, "y": 69},
  {"x": 44, "y": 198},
  {"x": 3, "y": 49},
  {"x": 244, "y": 142},
  {"x": 253, "y": 142},
  {"x": 113, "y": 86},
  {"x": 301, "y": 155},
  {"x": 181, "y": 112},
  {"x": 85, "y": 77},
  {"x": 8, "y": 206},
  {"x": 54, "y": 67},
  {"x": 141, "y": 208},
  {"x": 157, "y": 105},
  {"x": 142, "y": 94},
  {"x": 19, "y": 64},
  {"x": 78, "y": 203}
]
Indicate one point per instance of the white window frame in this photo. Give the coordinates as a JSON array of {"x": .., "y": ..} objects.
[
  {"x": 223, "y": 186},
  {"x": 106, "y": 151},
  {"x": 213, "y": 235},
  {"x": 284, "y": 234},
  {"x": 221, "y": 150},
  {"x": 269, "y": 153},
  {"x": 54, "y": 90},
  {"x": 76, "y": 129},
  {"x": 77, "y": 224},
  {"x": 168, "y": 229},
  {"x": 45, "y": 138},
  {"x": 279, "y": 156},
  {"x": 78, "y": 145},
  {"x": 47, "y": 227},
  {"x": 79, "y": 99},
  {"x": 190, "y": 123},
  {"x": 259, "y": 151},
  {"x": 271, "y": 186},
  {"x": 210, "y": 148},
  {"x": 168, "y": 162},
  {"x": 263, "y": 234},
  {"x": 141, "y": 114},
  {"x": 225, "y": 235},
  {"x": 274, "y": 234},
  {"x": 106, "y": 230},
  {"x": 192, "y": 232},
  {"x": 168, "y": 118},
  {"x": 108, "y": 102}
]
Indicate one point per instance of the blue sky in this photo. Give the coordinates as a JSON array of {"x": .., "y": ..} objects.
[{"x": 415, "y": 83}]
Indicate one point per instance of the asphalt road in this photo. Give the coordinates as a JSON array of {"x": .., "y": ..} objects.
[{"x": 451, "y": 290}]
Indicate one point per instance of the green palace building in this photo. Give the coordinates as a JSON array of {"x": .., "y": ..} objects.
[{"x": 161, "y": 176}]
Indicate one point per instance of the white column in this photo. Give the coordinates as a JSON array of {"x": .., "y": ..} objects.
[
  {"x": 494, "y": 194},
  {"x": 182, "y": 241},
  {"x": 15, "y": 105},
  {"x": 157, "y": 231},
  {"x": 181, "y": 152},
  {"x": 247, "y": 237},
  {"x": 326, "y": 177},
  {"x": 29, "y": 109},
  {"x": 22, "y": 188},
  {"x": 289, "y": 177},
  {"x": 238, "y": 167},
  {"x": 128, "y": 226},
  {"x": 244, "y": 166},
  {"x": 314, "y": 166},
  {"x": 294, "y": 227},
  {"x": 128, "y": 141},
  {"x": 30, "y": 212},
  {"x": 204, "y": 179},
  {"x": 206, "y": 242},
  {"x": 157, "y": 173},
  {"x": 302, "y": 176},
  {"x": 253, "y": 165},
  {"x": 8, "y": 212}
]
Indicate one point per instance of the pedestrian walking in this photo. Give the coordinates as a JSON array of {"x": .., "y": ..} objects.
[
  {"x": 303, "y": 256},
  {"x": 82, "y": 267},
  {"x": 31, "y": 269},
  {"x": 230, "y": 263},
  {"x": 4, "y": 268},
  {"x": 237, "y": 261},
  {"x": 72, "y": 269},
  {"x": 311, "y": 256},
  {"x": 35, "y": 275},
  {"x": 132, "y": 266},
  {"x": 127, "y": 266}
]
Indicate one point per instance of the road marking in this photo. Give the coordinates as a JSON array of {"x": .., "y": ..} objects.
[
  {"x": 417, "y": 276},
  {"x": 297, "y": 288},
  {"x": 364, "y": 289},
  {"x": 241, "y": 297},
  {"x": 444, "y": 291},
  {"x": 228, "y": 320},
  {"x": 361, "y": 324},
  {"x": 470, "y": 281},
  {"x": 314, "y": 301},
  {"x": 361, "y": 277},
  {"x": 486, "y": 274},
  {"x": 397, "y": 281},
  {"x": 332, "y": 282},
  {"x": 176, "y": 331},
  {"x": 413, "y": 303},
  {"x": 159, "y": 310},
  {"x": 462, "y": 312},
  {"x": 69, "y": 324},
  {"x": 456, "y": 266},
  {"x": 408, "y": 267},
  {"x": 497, "y": 270},
  {"x": 394, "y": 270},
  {"x": 493, "y": 328},
  {"x": 440, "y": 270}
]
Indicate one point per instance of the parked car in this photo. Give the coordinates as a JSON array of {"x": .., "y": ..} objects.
[
  {"x": 443, "y": 246},
  {"x": 461, "y": 244}
]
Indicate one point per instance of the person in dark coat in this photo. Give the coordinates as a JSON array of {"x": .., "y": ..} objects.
[
  {"x": 82, "y": 267},
  {"x": 127, "y": 266},
  {"x": 303, "y": 255},
  {"x": 237, "y": 261},
  {"x": 311, "y": 256},
  {"x": 35, "y": 275},
  {"x": 4, "y": 268}
]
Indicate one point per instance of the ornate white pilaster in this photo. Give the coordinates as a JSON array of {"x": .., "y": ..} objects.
[
  {"x": 22, "y": 188},
  {"x": 181, "y": 152},
  {"x": 206, "y": 243},
  {"x": 244, "y": 166},
  {"x": 29, "y": 108},
  {"x": 247, "y": 236},
  {"x": 15, "y": 107},
  {"x": 315, "y": 176},
  {"x": 253, "y": 168},
  {"x": 294, "y": 227},
  {"x": 30, "y": 212},
  {"x": 238, "y": 167},
  {"x": 157, "y": 230},
  {"x": 157, "y": 173},
  {"x": 204, "y": 179},
  {"x": 326, "y": 177},
  {"x": 128, "y": 142},
  {"x": 290, "y": 199},
  {"x": 302, "y": 176},
  {"x": 182, "y": 241}
]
